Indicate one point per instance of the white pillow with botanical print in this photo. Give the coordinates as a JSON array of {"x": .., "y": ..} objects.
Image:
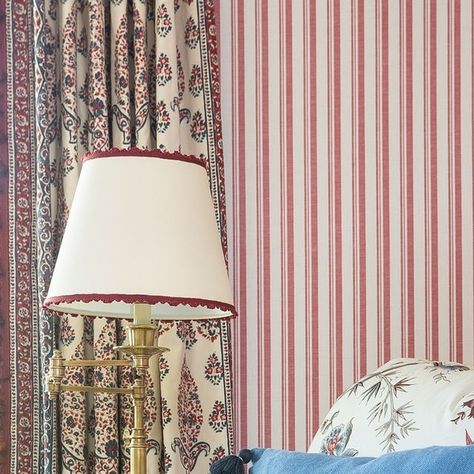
[{"x": 405, "y": 404}]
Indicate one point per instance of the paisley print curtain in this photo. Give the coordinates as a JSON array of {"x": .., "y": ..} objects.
[{"x": 127, "y": 74}]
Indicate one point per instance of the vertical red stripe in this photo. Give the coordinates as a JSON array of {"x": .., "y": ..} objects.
[
  {"x": 426, "y": 187},
  {"x": 282, "y": 232},
  {"x": 263, "y": 226},
  {"x": 378, "y": 186},
  {"x": 361, "y": 187},
  {"x": 403, "y": 244},
  {"x": 331, "y": 270},
  {"x": 310, "y": 220},
  {"x": 286, "y": 159},
  {"x": 355, "y": 194},
  {"x": 330, "y": 199},
  {"x": 266, "y": 213},
  {"x": 472, "y": 143},
  {"x": 334, "y": 176},
  {"x": 314, "y": 222},
  {"x": 426, "y": 183},
  {"x": 383, "y": 182},
  {"x": 386, "y": 184},
  {"x": 289, "y": 224},
  {"x": 451, "y": 271},
  {"x": 307, "y": 232},
  {"x": 410, "y": 243},
  {"x": 337, "y": 197},
  {"x": 283, "y": 209},
  {"x": 406, "y": 177},
  {"x": 457, "y": 178},
  {"x": 262, "y": 408},
  {"x": 452, "y": 297},
  {"x": 433, "y": 147},
  {"x": 239, "y": 186}
]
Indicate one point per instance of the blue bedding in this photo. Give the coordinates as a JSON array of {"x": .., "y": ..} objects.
[
  {"x": 445, "y": 460},
  {"x": 432, "y": 460}
]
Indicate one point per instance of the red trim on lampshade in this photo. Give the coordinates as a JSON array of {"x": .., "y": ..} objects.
[
  {"x": 141, "y": 299},
  {"x": 134, "y": 151}
]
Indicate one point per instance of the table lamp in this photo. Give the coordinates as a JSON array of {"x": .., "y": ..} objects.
[{"x": 141, "y": 242}]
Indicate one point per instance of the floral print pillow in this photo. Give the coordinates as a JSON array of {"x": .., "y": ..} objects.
[{"x": 405, "y": 404}]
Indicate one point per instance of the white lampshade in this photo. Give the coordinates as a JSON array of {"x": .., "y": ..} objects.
[{"x": 142, "y": 229}]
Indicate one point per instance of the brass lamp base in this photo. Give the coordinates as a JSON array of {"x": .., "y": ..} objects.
[{"x": 141, "y": 348}]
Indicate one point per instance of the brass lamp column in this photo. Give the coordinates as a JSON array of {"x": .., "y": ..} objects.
[
  {"x": 141, "y": 347},
  {"x": 141, "y": 242}
]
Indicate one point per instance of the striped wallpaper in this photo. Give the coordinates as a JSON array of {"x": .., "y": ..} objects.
[{"x": 348, "y": 132}]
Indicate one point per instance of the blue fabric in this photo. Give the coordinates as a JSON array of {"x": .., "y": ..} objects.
[{"x": 432, "y": 460}]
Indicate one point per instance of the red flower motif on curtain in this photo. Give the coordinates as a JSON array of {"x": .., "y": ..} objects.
[
  {"x": 195, "y": 80},
  {"x": 66, "y": 331},
  {"x": 191, "y": 33},
  {"x": 166, "y": 463},
  {"x": 186, "y": 332},
  {"x": 209, "y": 329},
  {"x": 213, "y": 370},
  {"x": 218, "y": 417},
  {"x": 217, "y": 454},
  {"x": 163, "y": 118},
  {"x": 165, "y": 412},
  {"x": 198, "y": 127},
  {"x": 164, "y": 367},
  {"x": 163, "y": 70},
  {"x": 163, "y": 21},
  {"x": 82, "y": 47}
]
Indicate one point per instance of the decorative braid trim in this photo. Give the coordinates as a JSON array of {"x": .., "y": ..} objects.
[
  {"x": 134, "y": 151},
  {"x": 144, "y": 299}
]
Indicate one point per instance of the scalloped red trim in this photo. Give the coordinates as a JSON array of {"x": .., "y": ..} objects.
[
  {"x": 135, "y": 151},
  {"x": 148, "y": 299}
]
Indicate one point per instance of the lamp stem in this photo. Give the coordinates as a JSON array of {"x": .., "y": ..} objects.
[{"x": 138, "y": 437}]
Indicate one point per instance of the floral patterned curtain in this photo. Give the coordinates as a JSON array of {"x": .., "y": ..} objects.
[{"x": 127, "y": 74}]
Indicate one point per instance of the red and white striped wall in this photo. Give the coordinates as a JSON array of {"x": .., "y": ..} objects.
[{"x": 348, "y": 129}]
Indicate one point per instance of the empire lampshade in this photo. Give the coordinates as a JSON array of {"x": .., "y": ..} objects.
[{"x": 142, "y": 229}]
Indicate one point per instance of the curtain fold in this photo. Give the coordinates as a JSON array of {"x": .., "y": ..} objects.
[{"x": 116, "y": 74}]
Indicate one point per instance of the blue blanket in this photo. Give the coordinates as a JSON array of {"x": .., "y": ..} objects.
[{"x": 443, "y": 460}]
